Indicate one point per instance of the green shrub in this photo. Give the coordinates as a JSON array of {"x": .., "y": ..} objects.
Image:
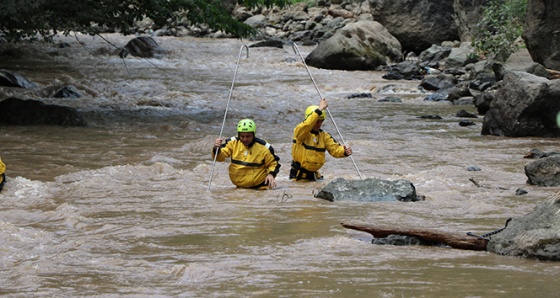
[{"x": 498, "y": 33}]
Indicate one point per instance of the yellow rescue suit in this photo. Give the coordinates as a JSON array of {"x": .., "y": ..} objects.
[
  {"x": 249, "y": 164},
  {"x": 2, "y": 175},
  {"x": 308, "y": 149}
]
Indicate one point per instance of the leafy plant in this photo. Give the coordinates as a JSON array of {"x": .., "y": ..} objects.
[
  {"x": 21, "y": 19},
  {"x": 500, "y": 28}
]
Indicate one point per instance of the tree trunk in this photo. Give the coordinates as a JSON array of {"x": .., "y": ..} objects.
[{"x": 451, "y": 239}]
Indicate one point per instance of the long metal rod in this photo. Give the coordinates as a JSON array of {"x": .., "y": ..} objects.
[
  {"x": 296, "y": 50},
  {"x": 227, "y": 107}
]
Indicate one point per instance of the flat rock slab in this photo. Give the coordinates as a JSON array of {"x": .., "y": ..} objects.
[{"x": 369, "y": 190}]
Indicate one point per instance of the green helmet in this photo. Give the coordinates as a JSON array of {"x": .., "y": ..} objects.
[{"x": 247, "y": 125}]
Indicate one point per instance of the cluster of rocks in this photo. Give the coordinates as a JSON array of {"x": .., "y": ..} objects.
[
  {"x": 517, "y": 97},
  {"x": 416, "y": 24},
  {"x": 428, "y": 40},
  {"x": 533, "y": 235}
]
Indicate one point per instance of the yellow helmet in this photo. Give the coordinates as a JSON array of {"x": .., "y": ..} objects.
[{"x": 311, "y": 109}]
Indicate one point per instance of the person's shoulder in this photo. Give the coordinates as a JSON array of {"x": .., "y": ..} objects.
[
  {"x": 325, "y": 134},
  {"x": 262, "y": 142},
  {"x": 231, "y": 139}
]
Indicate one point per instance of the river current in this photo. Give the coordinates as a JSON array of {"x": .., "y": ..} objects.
[{"x": 126, "y": 206}]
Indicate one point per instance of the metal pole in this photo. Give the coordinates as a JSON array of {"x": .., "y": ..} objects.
[
  {"x": 227, "y": 107},
  {"x": 296, "y": 50}
]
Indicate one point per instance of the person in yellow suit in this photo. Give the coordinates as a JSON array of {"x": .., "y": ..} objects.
[
  {"x": 310, "y": 143},
  {"x": 253, "y": 161},
  {"x": 2, "y": 174}
]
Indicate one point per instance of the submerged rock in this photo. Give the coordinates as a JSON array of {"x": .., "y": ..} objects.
[
  {"x": 13, "y": 79},
  {"x": 15, "y": 111},
  {"x": 144, "y": 47},
  {"x": 369, "y": 190}
]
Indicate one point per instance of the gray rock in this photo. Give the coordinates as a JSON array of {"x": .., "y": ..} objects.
[
  {"x": 524, "y": 105},
  {"x": 417, "y": 24},
  {"x": 256, "y": 21},
  {"x": 13, "y": 79},
  {"x": 465, "y": 101},
  {"x": 15, "y": 111},
  {"x": 535, "y": 235},
  {"x": 437, "y": 82},
  {"x": 467, "y": 16},
  {"x": 541, "y": 33},
  {"x": 362, "y": 45},
  {"x": 544, "y": 171},
  {"x": 460, "y": 56},
  {"x": 67, "y": 91},
  {"x": 521, "y": 61},
  {"x": 144, "y": 47},
  {"x": 431, "y": 57},
  {"x": 369, "y": 190}
]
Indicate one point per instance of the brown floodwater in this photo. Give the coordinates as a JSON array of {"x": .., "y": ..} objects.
[{"x": 126, "y": 206}]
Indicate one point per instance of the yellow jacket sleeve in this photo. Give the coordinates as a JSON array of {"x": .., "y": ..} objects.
[
  {"x": 225, "y": 150},
  {"x": 2, "y": 168},
  {"x": 303, "y": 129},
  {"x": 271, "y": 160},
  {"x": 335, "y": 148}
]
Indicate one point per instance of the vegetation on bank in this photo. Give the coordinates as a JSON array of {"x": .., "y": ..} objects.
[
  {"x": 28, "y": 19},
  {"x": 499, "y": 32}
]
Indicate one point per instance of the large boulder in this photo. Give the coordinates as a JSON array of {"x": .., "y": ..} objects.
[
  {"x": 535, "y": 235},
  {"x": 467, "y": 16},
  {"x": 541, "y": 32},
  {"x": 417, "y": 24},
  {"x": 369, "y": 190},
  {"x": 544, "y": 171},
  {"x": 15, "y": 111},
  {"x": 363, "y": 45},
  {"x": 524, "y": 105},
  {"x": 432, "y": 56},
  {"x": 521, "y": 61},
  {"x": 460, "y": 56}
]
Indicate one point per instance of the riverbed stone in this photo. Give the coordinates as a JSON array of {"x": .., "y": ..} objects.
[
  {"x": 369, "y": 190},
  {"x": 540, "y": 32},
  {"x": 544, "y": 171},
  {"x": 534, "y": 235},
  {"x": 15, "y": 111},
  {"x": 13, "y": 79},
  {"x": 363, "y": 45},
  {"x": 144, "y": 47},
  {"x": 417, "y": 24},
  {"x": 524, "y": 105}
]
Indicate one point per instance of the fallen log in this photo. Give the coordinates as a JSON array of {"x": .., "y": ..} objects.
[{"x": 450, "y": 239}]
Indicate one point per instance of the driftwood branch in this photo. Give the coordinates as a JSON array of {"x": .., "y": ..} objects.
[
  {"x": 451, "y": 239},
  {"x": 553, "y": 74},
  {"x": 485, "y": 186}
]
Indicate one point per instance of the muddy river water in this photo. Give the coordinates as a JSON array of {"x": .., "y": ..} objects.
[{"x": 126, "y": 206}]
